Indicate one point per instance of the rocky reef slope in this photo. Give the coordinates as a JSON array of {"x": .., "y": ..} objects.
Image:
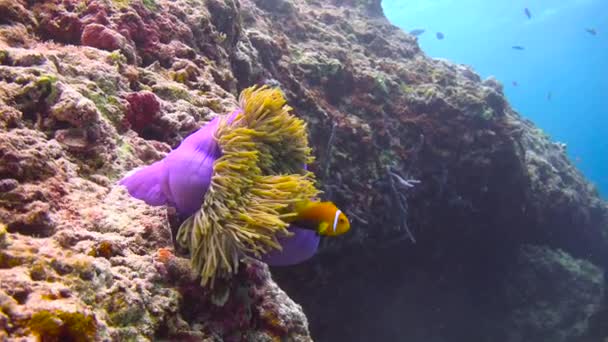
[{"x": 510, "y": 241}]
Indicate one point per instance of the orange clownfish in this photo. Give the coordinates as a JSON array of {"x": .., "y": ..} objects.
[{"x": 323, "y": 217}]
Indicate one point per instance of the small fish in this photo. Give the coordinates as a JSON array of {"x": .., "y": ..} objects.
[
  {"x": 527, "y": 12},
  {"x": 515, "y": 84},
  {"x": 591, "y": 31},
  {"x": 323, "y": 217},
  {"x": 517, "y": 47},
  {"x": 549, "y": 96},
  {"x": 439, "y": 35},
  {"x": 417, "y": 32}
]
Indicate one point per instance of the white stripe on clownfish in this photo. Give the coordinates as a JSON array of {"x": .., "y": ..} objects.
[{"x": 338, "y": 212}]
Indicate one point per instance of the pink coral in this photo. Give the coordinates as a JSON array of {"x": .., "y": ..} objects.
[
  {"x": 61, "y": 26},
  {"x": 96, "y": 12},
  {"x": 143, "y": 109},
  {"x": 101, "y": 37},
  {"x": 153, "y": 34},
  {"x": 133, "y": 27}
]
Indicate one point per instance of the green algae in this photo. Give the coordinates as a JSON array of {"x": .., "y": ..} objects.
[
  {"x": 388, "y": 158},
  {"x": 61, "y": 325},
  {"x": 61, "y": 267},
  {"x": 4, "y": 57},
  {"x": 487, "y": 114},
  {"x": 86, "y": 291},
  {"x": 317, "y": 65},
  {"x": 407, "y": 90},
  {"x": 124, "y": 150},
  {"x": 81, "y": 6},
  {"x": 180, "y": 76},
  {"x": 49, "y": 82},
  {"x": 381, "y": 85},
  {"x": 40, "y": 271},
  {"x": 3, "y": 235},
  {"x": 42, "y": 89},
  {"x": 109, "y": 106},
  {"x": 171, "y": 92},
  {"x": 108, "y": 86},
  {"x": 10, "y": 260},
  {"x": 121, "y": 3},
  {"x": 150, "y": 4},
  {"x": 84, "y": 269},
  {"x": 215, "y": 105},
  {"x": 123, "y": 313},
  {"x": 117, "y": 58}
]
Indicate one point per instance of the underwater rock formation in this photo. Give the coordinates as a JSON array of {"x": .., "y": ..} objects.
[
  {"x": 551, "y": 295},
  {"x": 490, "y": 181},
  {"x": 92, "y": 89},
  {"x": 79, "y": 258}
]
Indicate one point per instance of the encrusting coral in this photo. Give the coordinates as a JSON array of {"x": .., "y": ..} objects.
[{"x": 260, "y": 173}]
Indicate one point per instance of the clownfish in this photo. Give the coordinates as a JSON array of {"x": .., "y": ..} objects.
[{"x": 323, "y": 217}]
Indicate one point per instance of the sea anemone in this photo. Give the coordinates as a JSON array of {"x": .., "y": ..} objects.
[{"x": 259, "y": 174}]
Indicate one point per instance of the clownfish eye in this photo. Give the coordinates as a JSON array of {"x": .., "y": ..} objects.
[{"x": 342, "y": 220}]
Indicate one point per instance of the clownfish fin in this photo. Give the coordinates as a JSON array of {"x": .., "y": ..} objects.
[
  {"x": 323, "y": 227},
  {"x": 299, "y": 206}
]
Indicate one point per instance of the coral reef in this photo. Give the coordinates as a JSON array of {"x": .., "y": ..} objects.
[
  {"x": 79, "y": 258},
  {"x": 102, "y": 277},
  {"x": 91, "y": 89},
  {"x": 142, "y": 112}
]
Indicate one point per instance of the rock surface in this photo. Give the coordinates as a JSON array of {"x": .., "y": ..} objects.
[
  {"x": 551, "y": 295},
  {"x": 92, "y": 89}
]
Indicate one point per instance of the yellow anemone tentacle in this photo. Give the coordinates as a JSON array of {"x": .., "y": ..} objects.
[{"x": 254, "y": 185}]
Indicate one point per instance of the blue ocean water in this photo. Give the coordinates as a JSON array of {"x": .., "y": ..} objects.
[{"x": 561, "y": 74}]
